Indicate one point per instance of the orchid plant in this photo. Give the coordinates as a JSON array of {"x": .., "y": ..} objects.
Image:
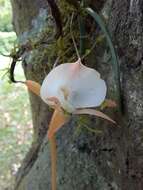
[
  {"x": 75, "y": 89},
  {"x": 72, "y": 88}
]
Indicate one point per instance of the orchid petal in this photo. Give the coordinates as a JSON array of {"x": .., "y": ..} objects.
[
  {"x": 53, "y": 84},
  {"x": 108, "y": 104},
  {"x": 88, "y": 89},
  {"x": 57, "y": 121},
  {"x": 94, "y": 112},
  {"x": 33, "y": 86}
]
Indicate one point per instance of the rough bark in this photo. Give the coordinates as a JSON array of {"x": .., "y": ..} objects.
[{"x": 112, "y": 159}]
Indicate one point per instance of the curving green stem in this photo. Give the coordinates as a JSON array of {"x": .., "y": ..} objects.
[{"x": 115, "y": 63}]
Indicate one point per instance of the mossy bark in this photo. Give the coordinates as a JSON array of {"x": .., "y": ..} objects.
[{"x": 102, "y": 161}]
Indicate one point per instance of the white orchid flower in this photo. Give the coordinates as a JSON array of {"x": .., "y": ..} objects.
[{"x": 74, "y": 86}]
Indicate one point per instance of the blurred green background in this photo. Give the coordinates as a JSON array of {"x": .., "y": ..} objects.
[{"x": 15, "y": 116}]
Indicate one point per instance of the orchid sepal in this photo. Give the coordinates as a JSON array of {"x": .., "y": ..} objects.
[
  {"x": 33, "y": 87},
  {"x": 95, "y": 113},
  {"x": 57, "y": 121}
]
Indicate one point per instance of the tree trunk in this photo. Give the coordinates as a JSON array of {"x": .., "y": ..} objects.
[{"x": 102, "y": 161}]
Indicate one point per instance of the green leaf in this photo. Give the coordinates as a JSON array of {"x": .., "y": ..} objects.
[{"x": 115, "y": 64}]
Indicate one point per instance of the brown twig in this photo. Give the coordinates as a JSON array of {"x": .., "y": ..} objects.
[{"x": 15, "y": 57}]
